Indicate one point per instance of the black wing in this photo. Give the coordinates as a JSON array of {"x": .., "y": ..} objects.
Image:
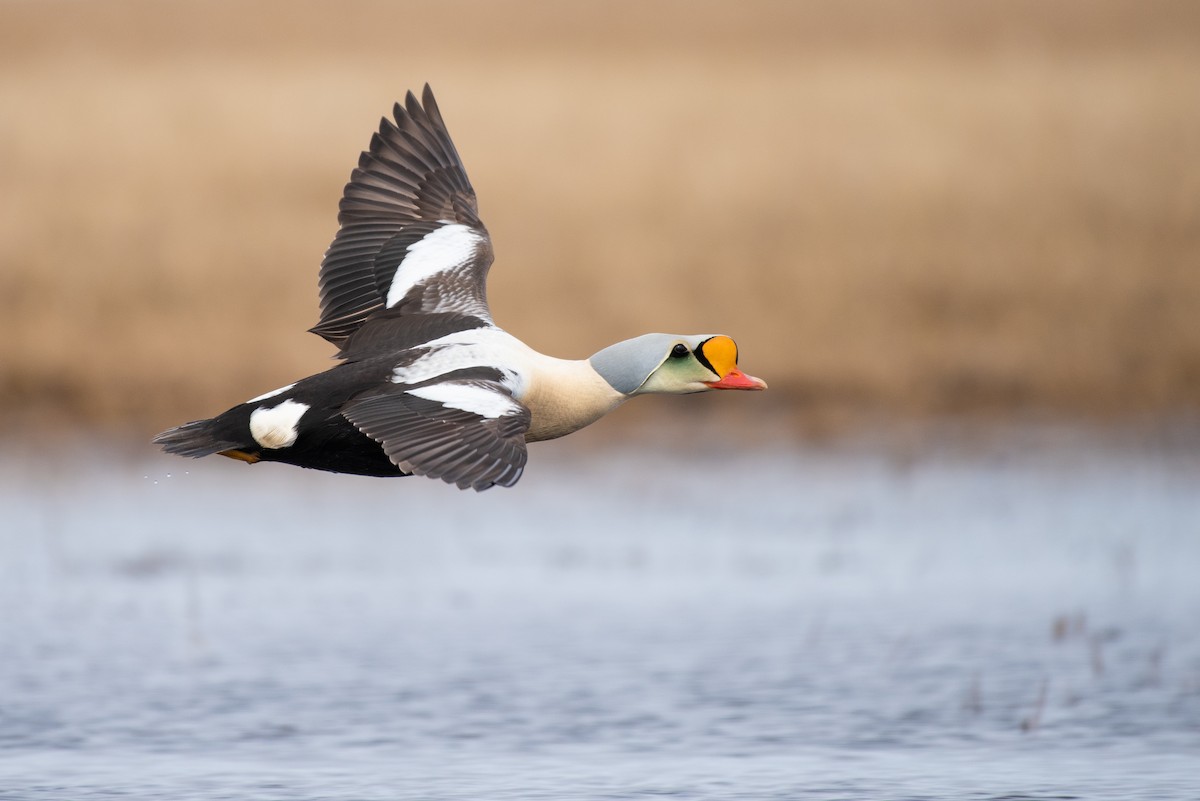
[
  {"x": 466, "y": 432},
  {"x": 410, "y": 242}
]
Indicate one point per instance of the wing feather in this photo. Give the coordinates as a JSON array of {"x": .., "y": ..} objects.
[
  {"x": 408, "y": 185},
  {"x": 478, "y": 444}
]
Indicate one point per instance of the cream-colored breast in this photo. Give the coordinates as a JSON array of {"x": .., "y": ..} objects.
[{"x": 564, "y": 396}]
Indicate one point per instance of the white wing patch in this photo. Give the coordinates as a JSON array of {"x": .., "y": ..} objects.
[
  {"x": 276, "y": 427},
  {"x": 445, "y": 249},
  {"x": 469, "y": 397},
  {"x": 271, "y": 394},
  {"x": 479, "y": 347}
]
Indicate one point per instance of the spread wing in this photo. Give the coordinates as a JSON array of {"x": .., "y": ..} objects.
[
  {"x": 468, "y": 432},
  {"x": 410, "y": 242}
]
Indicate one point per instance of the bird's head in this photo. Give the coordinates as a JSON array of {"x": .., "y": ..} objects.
[{"x": 673, "y": 364}]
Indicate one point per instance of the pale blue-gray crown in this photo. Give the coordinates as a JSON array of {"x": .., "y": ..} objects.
[{"x": 626, "y": 365}]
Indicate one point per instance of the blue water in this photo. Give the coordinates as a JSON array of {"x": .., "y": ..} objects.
[{"x": 1017, "y": 619}]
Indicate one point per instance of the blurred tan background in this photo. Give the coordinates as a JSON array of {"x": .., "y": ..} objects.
[{"x": 908, "y": 209}]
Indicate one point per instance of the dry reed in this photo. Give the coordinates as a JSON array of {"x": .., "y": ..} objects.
[{"x": 910, "y": 208}]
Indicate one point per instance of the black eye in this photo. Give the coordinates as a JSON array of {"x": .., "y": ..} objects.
[{"x": 679, "y": 351}]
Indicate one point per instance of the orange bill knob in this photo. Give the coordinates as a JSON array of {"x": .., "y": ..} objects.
[{"x": 721, "y": 354}]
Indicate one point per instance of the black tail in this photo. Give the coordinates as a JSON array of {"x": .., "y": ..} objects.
[{"x": 193, "y": 439}]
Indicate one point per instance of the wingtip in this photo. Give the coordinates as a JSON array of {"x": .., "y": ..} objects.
[{"x": 412, "y": 104}]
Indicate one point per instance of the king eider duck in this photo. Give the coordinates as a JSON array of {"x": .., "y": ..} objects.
[{"x": 427, "y": 384}]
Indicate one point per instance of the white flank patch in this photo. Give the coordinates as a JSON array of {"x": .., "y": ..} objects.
[
  {"x": 443, "y": 249},
  {"x": 276, "y": 427},
  {"x": 468, "y": 398},
  {"x": 271, "y": 394}
]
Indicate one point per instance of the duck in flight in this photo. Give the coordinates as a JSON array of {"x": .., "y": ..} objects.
[{"x": 427, "y": 384}]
